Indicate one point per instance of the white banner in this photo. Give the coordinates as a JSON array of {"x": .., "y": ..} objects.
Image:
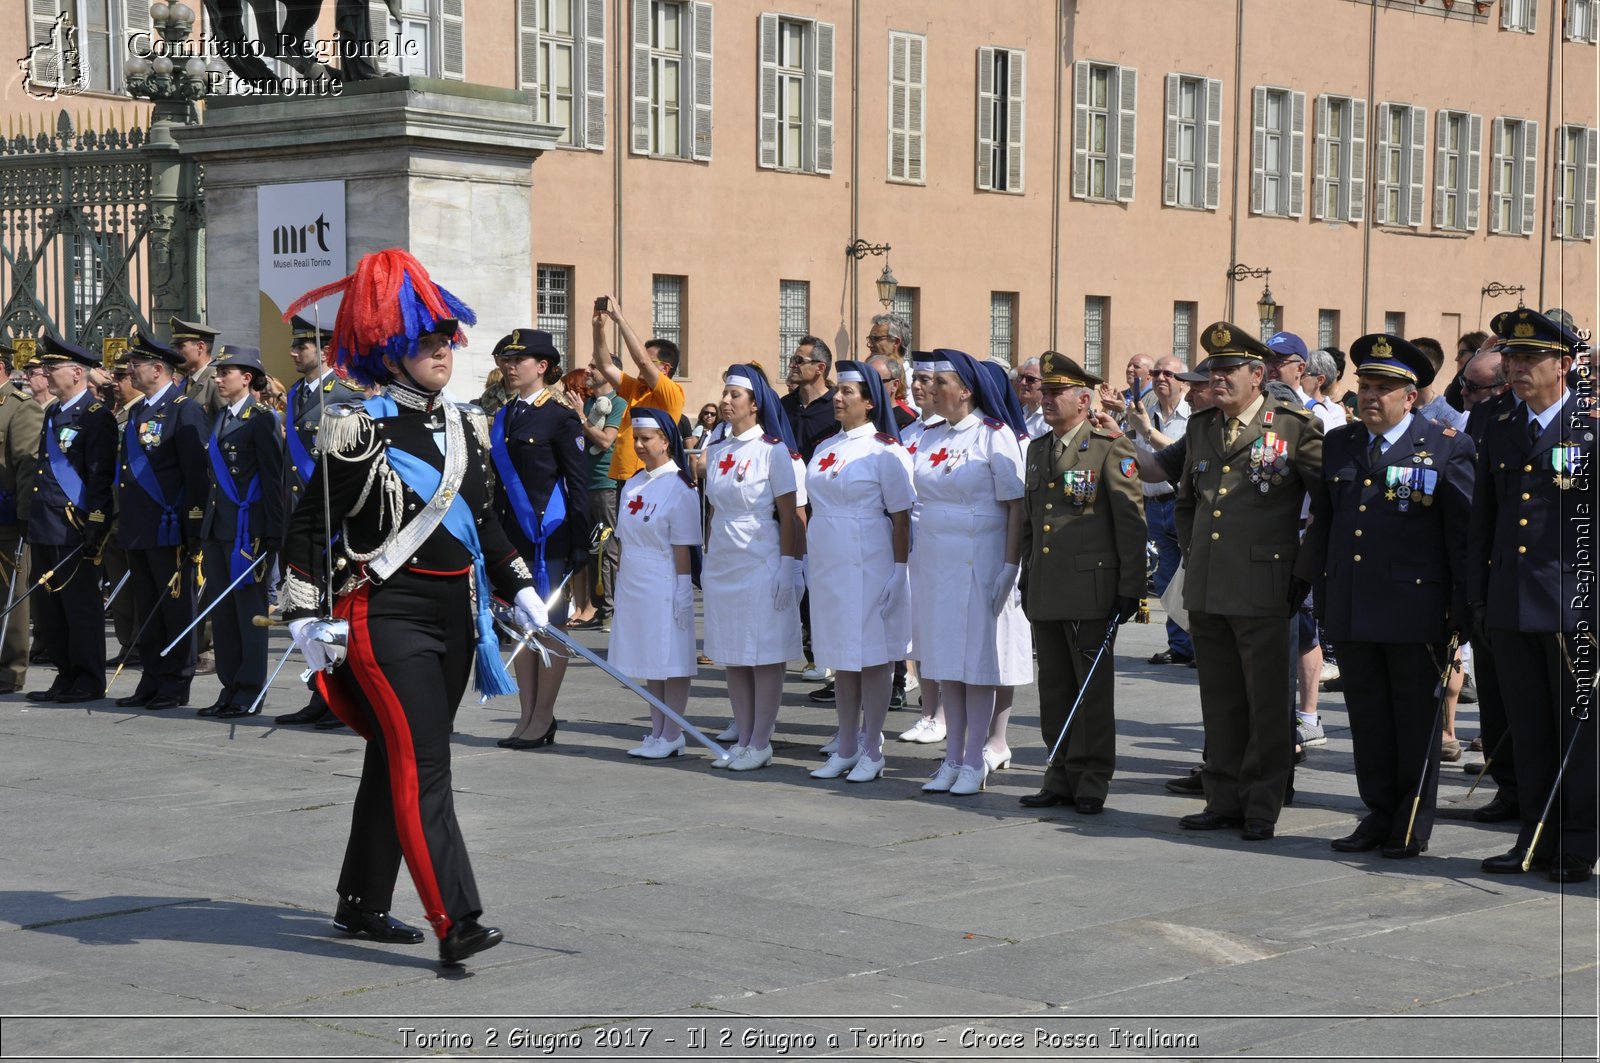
[{"x": 300, "y": 242}]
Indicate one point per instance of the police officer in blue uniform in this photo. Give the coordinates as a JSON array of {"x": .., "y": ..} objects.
[
  {"x": 1392, "y": 533},
  {"x": 243, "y": 522},
  {"x": 1533, "y": 504},
  {"x": 71, "y": 514},
  {"x": 161, "y": 493},
  {"x": 318, "y": 388}
]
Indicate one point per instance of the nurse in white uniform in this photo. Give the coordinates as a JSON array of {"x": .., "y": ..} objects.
[
  {"x": 752, "y": 578},
  {"x": 858, "y": 540},
  {"x": 929, "y": 727},
  {"x": 652, "y": 626},
  {"x": 967, "y": 617}
]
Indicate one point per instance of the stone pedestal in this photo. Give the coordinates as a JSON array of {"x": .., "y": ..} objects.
[{"x": 442, "y": 169}]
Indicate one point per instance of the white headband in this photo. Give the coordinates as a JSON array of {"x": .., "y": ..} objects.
[
  {"x": 850, "y": 376},
  {"x": 935, "y": 367},
  {"x": 739, "y": 382}
]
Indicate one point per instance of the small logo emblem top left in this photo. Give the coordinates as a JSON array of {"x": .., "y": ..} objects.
[{"x": 54, "y": 67}]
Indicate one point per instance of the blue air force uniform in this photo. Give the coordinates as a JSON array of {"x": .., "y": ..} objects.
[
  {"x": 161, "y": 493},
  {"x": 70, "y": 516},
  {"x": 1533, "y": 511},
  {"x": 244, "y": 519},
  {"x": 306, "y": 400},
  {"x": 1392, "y": 529}
]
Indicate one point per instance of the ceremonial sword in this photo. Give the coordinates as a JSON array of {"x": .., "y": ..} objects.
[{"x": 1438, "y": 726}]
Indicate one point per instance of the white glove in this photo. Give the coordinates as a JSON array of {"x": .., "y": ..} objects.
[
  {"x": 896, "y": 592},
  {"x": 791, "y": 583},
  {"x": 304, "y": 632},
  {"x": 1004, "y": 585},
  {"x": 683, "y": 602},
  {"x": 530, "y": 611}
]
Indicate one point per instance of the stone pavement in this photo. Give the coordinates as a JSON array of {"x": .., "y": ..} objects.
[{"x": 174, "y": 877}]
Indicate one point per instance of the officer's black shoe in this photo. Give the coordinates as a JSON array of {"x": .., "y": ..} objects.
[
  {"x": 379, "y": 926},
  {"x": 1571, "y": 870},
  {"x": 1497, "y": 811},
  {"x": 823, "y": 695},
  {"x": 1257, "y": 830},
  {"x": 1089, "y": 806},
  {"x": 42, "y": 695},
  {"x": 331, "y": 723},
  {"x": 78, "y": 697},
  {"x": 1209, "y": 820},
  {"x": 1359, "y": 842},
  {"x": 1043, "y": 799},
  {"x": 1189, "y": 784},
  {"x": 1398, "y": 851},
  {"x": 233, "y": 712},
  {"x": 465, "y": 939},
  {"x": 164, "y": 701},
  {"x": 216, "y": 707},
  {"x": 134, "y": 700},
  {"x": 309, "y": 714},
  {"x": 1511, "y": 863}
]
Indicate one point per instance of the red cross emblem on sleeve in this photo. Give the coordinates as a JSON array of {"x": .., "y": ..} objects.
[
  {"x": 725, "y": 464},
  {"x": 826, "y": 462},
  {"x": 937, "y": 458},
  {"x": 636, "y": 505}
]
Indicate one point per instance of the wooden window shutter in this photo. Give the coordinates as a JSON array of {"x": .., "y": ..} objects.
[
  {"x": 528, "y": 46},
  {"x": 1169, "y": 170},
  {"x": 1319, "y": 162},
  {"x": 1417, "y": 155},
  {"x": 822, "y": 79},
  {"x": 767, "y": 116},
  {"x": 1530, "y": 175},
  {"x": 1127, "y": 131},
  {"x": 1297, "y": 153},
  {"x": 1017, "y": 121},
  {"x": 1080, "y": 129},
  {"x": 1357, "y": 154},
  {"x": 1474, "y": 165},
  {"x": 987, "y": 101},
  {"x": 453, "y": 40},
  {"x": 641, "y": 78},
  {"x": 594, "y": 76},
  {"x": 704, "y": 55},
  {"x": 1213, "y": 143},
  {"x": 1258, "y": 150},
  {"x": 1380, "y": 206}
]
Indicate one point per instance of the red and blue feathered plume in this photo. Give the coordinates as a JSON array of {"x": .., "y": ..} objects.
[{"x": 390, "y": 302}]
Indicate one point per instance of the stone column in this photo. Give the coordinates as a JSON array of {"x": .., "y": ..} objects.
[{"x": 442, "y": 169}]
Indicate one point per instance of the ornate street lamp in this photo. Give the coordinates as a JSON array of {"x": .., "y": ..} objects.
[
  {"x": 173, "y": 84},
  {"x": 887, "y": 286}
]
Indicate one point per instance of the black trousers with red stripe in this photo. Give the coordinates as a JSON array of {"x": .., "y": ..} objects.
[{"x": 410, "y": 655}]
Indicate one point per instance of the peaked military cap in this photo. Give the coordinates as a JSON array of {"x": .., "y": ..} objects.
[
  {"x": 1229, "y": 345},
  {"x": 1525, "y": 331},
  {"x": 143, "y": 346},
  {"x": 238, "y": 356},
  {"x": 55, "y": 351},
  {"x": 1381, "y": 354},
  {"x": 303, "y": 331},
  {"x": 527, "y": 343},
  {"x": 1200, "y": 374},
  {"x": 192, "y": 330},
  {"x": 1059, "y": 371}
]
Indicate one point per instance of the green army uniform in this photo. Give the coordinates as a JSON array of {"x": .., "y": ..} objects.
[
  {"x": 202, "y": 386},
  {"x": 1083, "y": 546},
  {"x": 1238, "y": 516},
  {"x": 21, "y": 424}
]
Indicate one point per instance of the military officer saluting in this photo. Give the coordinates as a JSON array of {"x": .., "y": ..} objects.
[
  {"x": 70, "y": 516},
  {"x": 21, "y": 422},
  {"x": 1083, "y": 547},
  {"x": 195, "y": 342},
  {"x": 319, "y": 387},
  {"x": 161, "y": 496},
  {"x": 1533, "y": 504},
  {"x": 1248, "y": 464},
  {"x": 1392, "y": 529},
  {"x": 243, "y": 522}
]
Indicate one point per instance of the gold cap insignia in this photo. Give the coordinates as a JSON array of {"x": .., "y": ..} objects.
[
  {"x": 1523, "y": 331},
  {"x": 1221, "y": 336},
  {"x": 1381, "y": 349}
]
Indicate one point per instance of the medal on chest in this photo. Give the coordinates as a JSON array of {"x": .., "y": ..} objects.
[
  {"x": 1269, "y": 459},
  {"x": 1566, "y": 461},
  {"x": 945, "y": 459},
  {"x": 65, "y": 436},
  {"x": 638, "y": 507},
  {"x": 150, "y": 432},
  {"x": 1080, "y": 486},
  {"x": 738, "y": 468}
]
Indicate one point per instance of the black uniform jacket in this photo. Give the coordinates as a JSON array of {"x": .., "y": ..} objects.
[
  {"x": 87, "y": 435},
  {"x": 545, "y": 443},
  {"x": 251, "y": 445},
  {"x": 172, "y": 433},
  {"x": 306, "y": 404},
  {"x": 1393, "y": 537}
]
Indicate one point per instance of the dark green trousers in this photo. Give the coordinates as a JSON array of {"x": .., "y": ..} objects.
[
  {"x": 1066, "y": 649},
  {"x": 1244, "y": 702}
]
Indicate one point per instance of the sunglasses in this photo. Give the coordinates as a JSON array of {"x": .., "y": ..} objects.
[
  {"x": 797, "y": 360},
  {"x": 1164, "y": 372},
  {"x": 1469, "y": 388},
  {"x": 1030, "y": 379}
]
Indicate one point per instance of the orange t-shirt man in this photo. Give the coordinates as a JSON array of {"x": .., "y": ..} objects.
[{"x": 657, "y": 360}]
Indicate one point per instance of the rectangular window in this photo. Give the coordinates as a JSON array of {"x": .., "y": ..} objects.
[
  {"x": 1581, "y": 21},
  {"x": 908, "y": 79},
  {"x": 1194, "y": 142},
  {"x": 428, "y": 38},
  {"x": 1457, "y": 170},
  {"x": 1104, "y": 131},
  {"x": 1183, "y": 323},
  {"x": 88, "y": 52},
  {"x": 1340, "y": 170},
  {"x": 1327, "y": 329},
  {"x": 1513, "y": 176},
  {"x": 794, "y": 315},
  {"x": 672, "y": 71},
  {"x": 554, "y": 297},
  {"x": 666, "y": 313},
  {"x": 1278, "y": 152},
  {"x": 557, "y": 45},
  {"x": 1002, "y": 118},
  {"x": 1096, "y": 332},
  {"x": 1394, "y": 323},
  {"x": 1575, "y": 183},
  {"x": 1402, "y": 135},
  {"x": 1002, "y": 326},
  {"x": 907, "y": 304},
  {"x": 1519, "y": 16},
  {"x": 796, "y": 95}
]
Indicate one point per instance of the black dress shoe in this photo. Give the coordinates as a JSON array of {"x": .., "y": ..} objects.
[
  {"x": 823, "y": 695},
  {"x": 1089, "y": 806},
  {"x": 1209, "y": 820},
  {"x": 309, "y": 714},
  {"x": 379, "y": 926},
  {"x": 233, "y": 712},
  {"x": 1169, "y": 657},
  {"x": 41, "y": 695},
  {"x": 1043, "y": 799},
  {"x": 1257, "y": 830},
  {"x": 546, "y": 739},
  {"x": 332, "y": 723},
  {"x": 467, "y": 939},
  {"x": 1497, "y": 811},
  {"x": 897, "y": 697},
  {"x": 78, "y": 697},
  {"x": 1399, "y": 851},
  {"x": 1191, "y": 784},
  {"x": 1571, "y": 870},
  {"x": 164, "y": 701},
  {"x": 1359, "y": 842},
  {"x": 1510, "y": 863},
  {"x": 133, "y": 700}
]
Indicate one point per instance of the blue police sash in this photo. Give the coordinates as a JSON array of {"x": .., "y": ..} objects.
[
  {"x": 299, "y": 456},
  {"x": 489, "y": 674},
  {"x": 71, "y": 483},
  {"x": 536, "y": 529},
  {"x": 239, "y": 560},
  {"x": 168, "y": 532}
]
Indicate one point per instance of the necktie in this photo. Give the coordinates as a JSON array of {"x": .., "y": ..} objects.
[
  {"x": 1234, "y": 425},
  {"x": 1534, "y": 431},
  {"x": 1375, "y": 452},
  {"x": 1055, "y": 450}
]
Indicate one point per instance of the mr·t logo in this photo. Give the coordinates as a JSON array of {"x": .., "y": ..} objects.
[{"x": 295, "y": 239}]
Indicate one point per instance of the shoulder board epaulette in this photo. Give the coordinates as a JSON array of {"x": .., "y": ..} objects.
[
  {"x": 180, "y": 397},
  {"x": 343, "y": 424},
  {"x": 478, "y": 421},
  {"x": 776, "y": 441},
  {"x": 992, "y": 423},
  {"x": 1448, "y": 432},
  {"x": 93, "y": 407},
  {"x": 885, "y": 437},
  {"x": 344, "y": 409},
  {"x": 470, "y": 408},
  {"x": 1293, "y": 409},
  {"x": 1103, "y": 433}
]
